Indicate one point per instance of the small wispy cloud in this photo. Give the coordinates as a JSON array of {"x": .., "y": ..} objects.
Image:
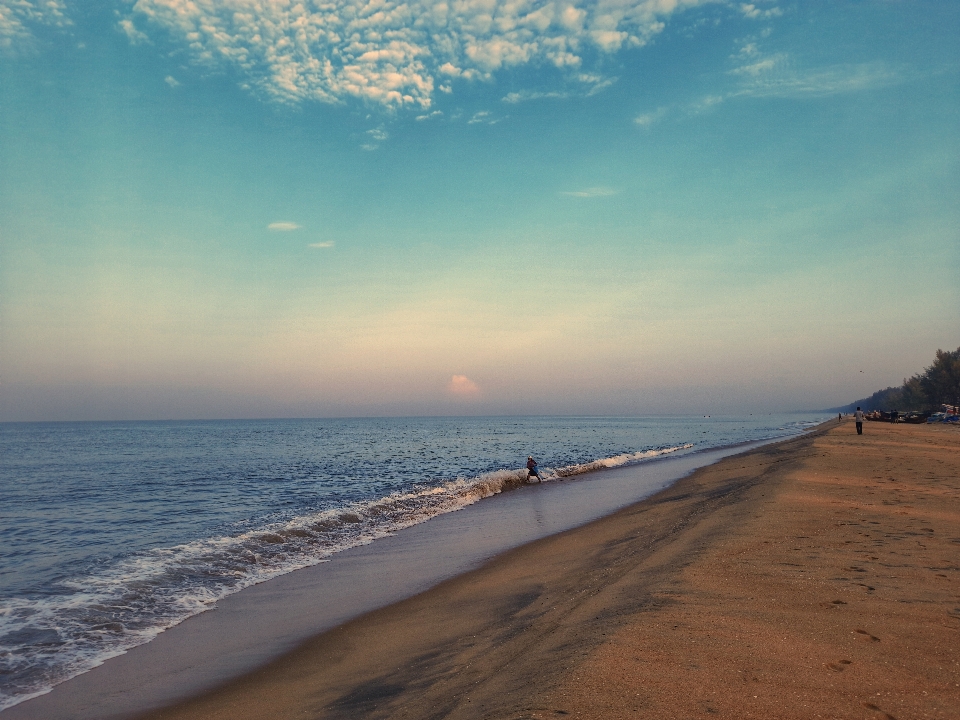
[
  {"x": 590, "y": 192},
  {"x": 601, "y": 86},
  {"x": 283, "y": 226},
  {"x": 463, "y": 387},
  {"x": 429, "y": 116},
  {"x": 377, "y": 135},
  {"x": 760, "y": 66},
  {"x": 171, "y": 81},
  {"x": 707, "y": 101},
  {"x": 589, "y": 85},
  {"x": 779, "y": 79},
  {"x": 135, "y": 37},
  {"x": 484, "y": 116},
  {"x": 324, "y": 244},
  {"x": 648, "y": 119},
  {"x": 751, "y": 11},
  {"x": 526, "y": 95}
]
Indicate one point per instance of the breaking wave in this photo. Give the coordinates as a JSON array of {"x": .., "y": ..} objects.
[{"x": 45, "y": 640}]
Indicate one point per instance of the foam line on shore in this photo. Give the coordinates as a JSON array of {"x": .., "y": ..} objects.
[{"x": 133, "y": 601}]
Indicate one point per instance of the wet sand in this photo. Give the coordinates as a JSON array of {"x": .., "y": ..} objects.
[{"x": 818, "y": 577}]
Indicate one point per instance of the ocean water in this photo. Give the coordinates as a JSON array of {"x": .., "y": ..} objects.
[{"x": 112, "y": 532}]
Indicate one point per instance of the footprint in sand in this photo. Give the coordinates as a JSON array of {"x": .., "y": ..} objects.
[
  {"x": 886, "y": 715},
  {"x": 872, "y": 638},
  {"x": 833, "y": 605},
  {"x": 840, "y": 665}
]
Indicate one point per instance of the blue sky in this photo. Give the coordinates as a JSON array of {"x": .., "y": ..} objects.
[{"x": 271, "y": 209}]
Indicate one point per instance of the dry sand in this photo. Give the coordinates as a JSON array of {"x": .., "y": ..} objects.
[{"x": 818, "y": 577}]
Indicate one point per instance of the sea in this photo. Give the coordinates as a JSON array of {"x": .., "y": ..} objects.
[{"x": 112, "y": 532}]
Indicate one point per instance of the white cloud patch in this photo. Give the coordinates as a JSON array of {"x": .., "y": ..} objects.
[
  {"x": 760, "y": 66},
  {"x": 485, "y": 117},
  {"x": 397, "y": 53},
  {"x": 525, "y": 95},
  {"x": 171, "y": 81},
  {"x": 648, "y": 119},
  {"x": 324, "y": 244},
  {"x": 755, "y": 13},
  {"x": 591, "y": 192},
  {"x": 778, "y": 77},
  {"x": 594, "y": 83},
  {"x": 463, "y": 387},
  {"x": 20, "y": 18},
  {"x": 129, "y": 29},
  {"x": 377, "y": 136},
  {"x": 600, "y": 86},
  {"x": 283, "y": 226}
]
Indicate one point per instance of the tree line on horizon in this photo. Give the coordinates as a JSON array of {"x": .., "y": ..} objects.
[{"x": 938, "y": 385}]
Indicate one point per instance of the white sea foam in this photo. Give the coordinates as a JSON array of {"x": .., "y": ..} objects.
[{"x": 46, "y": 640}]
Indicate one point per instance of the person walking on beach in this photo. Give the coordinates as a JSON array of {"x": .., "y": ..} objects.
[
  {"x": 858, "y": 416},
  {"x": 532, "y": 470}
]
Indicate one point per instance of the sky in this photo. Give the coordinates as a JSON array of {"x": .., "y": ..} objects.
[{"x": 305, "y": 208}]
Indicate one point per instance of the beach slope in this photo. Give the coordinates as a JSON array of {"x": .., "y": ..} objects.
[{"x": 816, "y": 577}]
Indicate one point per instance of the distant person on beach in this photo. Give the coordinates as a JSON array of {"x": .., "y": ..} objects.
[
  {"x": 532, "y": 470},
  {"x": 839, "y": 417},
  {"x": 858, "y": 416}
]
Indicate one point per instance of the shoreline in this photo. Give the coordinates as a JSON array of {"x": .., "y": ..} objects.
[
  {"x": 814, "y": 577},
  {"x": 262, "y": 622}
]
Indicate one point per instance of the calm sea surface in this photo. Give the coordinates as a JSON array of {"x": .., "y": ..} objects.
[{"x": 112, "y": 532}]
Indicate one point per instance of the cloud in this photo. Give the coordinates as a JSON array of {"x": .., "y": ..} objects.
[
  {"x": 324, "y": 244},
  {"x": 648, "y": 119},
  {"x": 485, "y": 117},
  {"x": 377, "y": 136},
  {"x": 397, "y": 53},
  {"x": 708, "y": 101},
  {"x": 752, "y": 11},
  {"x": 760, "y": 66},
  {"x": 135, "y": 36},
  {"x": 600, "y": 85},
  {"x": 525, "y": 95},
  {"x": 19, "y": 19},
  {"x": 463, "y": 387},
  {"x": 597, "y": 83},
  {"x": 171, "y": 81},
  {"x": 779, "y": 79},
  {"x": 283, "y": 226},
  {"x": 591, "y": 192}
]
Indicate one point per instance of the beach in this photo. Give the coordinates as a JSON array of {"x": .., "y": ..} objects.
[{"x": 815, "y": 577}]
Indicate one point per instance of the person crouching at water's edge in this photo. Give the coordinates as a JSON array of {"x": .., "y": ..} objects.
[
  {"x": 858, "y": 416},
  {"x": 532, "y": 470}
]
